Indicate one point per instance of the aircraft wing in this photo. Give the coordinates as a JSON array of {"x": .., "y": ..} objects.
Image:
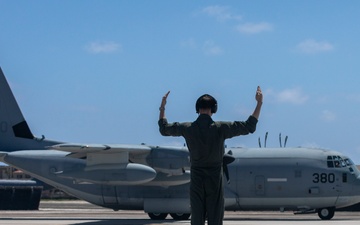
[
  {"x": 136, "y": 164},
  {"x": 78, "y": 150}
]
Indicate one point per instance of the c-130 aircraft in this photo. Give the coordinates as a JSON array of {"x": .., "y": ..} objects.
[{"x": 156, "y": 178}]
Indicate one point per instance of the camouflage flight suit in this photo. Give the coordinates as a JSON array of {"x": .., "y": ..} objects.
[{"x": 205, "y": 140}]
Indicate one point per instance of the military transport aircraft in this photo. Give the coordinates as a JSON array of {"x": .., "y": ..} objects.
[{"x": 156, "y": 178}]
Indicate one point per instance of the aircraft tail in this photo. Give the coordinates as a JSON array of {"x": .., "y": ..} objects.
[{"x": 15, "y": 133}]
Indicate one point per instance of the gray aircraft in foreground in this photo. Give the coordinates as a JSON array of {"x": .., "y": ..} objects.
[{"x": 156, "y": 178}]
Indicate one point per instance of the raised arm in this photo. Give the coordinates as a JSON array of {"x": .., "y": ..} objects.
[
  {"x": 162, "y": 106},
  {"x": 259, "y": 100}
]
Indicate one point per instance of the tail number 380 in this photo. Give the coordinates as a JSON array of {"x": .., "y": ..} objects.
[{"x": 323, "y": 178}]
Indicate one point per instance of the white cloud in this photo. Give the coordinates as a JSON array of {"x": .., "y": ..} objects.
[
  {"x": 221, "y": 13},
  {"x": 103, "y": 47},
  {"x": 254, "y": 28},
  {"x": 328, "y": 116},
  {"x": 293, "y": 96},
  {"x": 210, "y": 48},
  {"x": 311, "y": 46}
]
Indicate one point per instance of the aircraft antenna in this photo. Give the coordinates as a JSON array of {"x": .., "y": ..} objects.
[
  {"x": 266, "y": 134},
  {"x": 280, "y": 140},
  {"x": 285, "y": 141},
  {"x": 259, "y": 143}
]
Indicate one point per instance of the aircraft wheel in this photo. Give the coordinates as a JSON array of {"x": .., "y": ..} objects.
[
  {"x": 180, "y": 216},
  {"x": 157, "y": 216},
  {"x": 326, "y": 213}
]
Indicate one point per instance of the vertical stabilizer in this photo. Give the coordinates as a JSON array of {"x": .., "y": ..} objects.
[
  {"x": 15, "y": 133},
  {"x": 11, "y": 118}
]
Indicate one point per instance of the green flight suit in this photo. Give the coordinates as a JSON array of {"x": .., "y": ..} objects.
[{"x": 205, "y": 140}]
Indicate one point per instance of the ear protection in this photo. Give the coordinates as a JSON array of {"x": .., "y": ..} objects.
[{"x": 206, "y": 101}]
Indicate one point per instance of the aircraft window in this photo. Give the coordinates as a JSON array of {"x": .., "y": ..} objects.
[
  {"x": 348, "y": 162},
  {"x": 338, "y": 162},
  {"x": 343, "y": 164},
  {"x": 330, "y": 164}
]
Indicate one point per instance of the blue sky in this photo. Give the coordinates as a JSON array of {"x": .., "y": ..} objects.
[{"x": 95, "y": 71}]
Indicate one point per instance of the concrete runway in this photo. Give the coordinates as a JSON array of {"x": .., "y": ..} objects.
[{"x": 79, "y": 212}]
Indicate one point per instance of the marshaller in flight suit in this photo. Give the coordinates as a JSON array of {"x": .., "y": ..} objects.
[{"x": 205, "y": 139}]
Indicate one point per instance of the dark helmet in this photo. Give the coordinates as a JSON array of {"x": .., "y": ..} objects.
[{"x": 206, "y": 102}]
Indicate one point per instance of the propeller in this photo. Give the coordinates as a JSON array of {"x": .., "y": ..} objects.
[
  {"x": 266, "y": 135},
  {"x": 227, "y": 159},
  {"x": 259, "y": 142},
  {"x": 286, "y": 138}
]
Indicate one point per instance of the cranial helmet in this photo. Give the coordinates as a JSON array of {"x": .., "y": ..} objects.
[{"x": 206, "y": 101}]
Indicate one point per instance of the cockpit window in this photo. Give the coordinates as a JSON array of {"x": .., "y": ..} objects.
[
  {"x": 338, "y": 162},
  {"x": 330, "y": 162},
  {"x": 349, "y": 162}
]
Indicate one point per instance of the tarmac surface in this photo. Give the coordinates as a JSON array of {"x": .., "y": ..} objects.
[{"x": 80, "y": 212}]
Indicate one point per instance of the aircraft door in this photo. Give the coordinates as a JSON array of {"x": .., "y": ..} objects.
[{"x": 260, "y": 185}]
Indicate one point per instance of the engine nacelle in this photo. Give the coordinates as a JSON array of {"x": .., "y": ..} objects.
[
  {"x": 169, "y": 160},
  {"x": 112, "y": 174},
  {"x": 162, "y": 179}
]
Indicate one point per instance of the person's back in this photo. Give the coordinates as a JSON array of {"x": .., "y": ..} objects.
[
  {"x": 204, "y": 143},
  {"x": 205, "y": 140}
]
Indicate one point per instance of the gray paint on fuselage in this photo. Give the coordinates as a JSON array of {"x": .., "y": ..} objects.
[{"x": 283, "y": 179}]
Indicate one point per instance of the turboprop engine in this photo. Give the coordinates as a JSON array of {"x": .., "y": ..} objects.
[{"x": 113, "y": 174}]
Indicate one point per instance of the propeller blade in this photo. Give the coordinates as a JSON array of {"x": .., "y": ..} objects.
[{"x": 227, "y": 159}]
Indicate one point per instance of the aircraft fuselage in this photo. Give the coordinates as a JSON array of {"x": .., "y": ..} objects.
[{"x": 297, "y": 179}]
